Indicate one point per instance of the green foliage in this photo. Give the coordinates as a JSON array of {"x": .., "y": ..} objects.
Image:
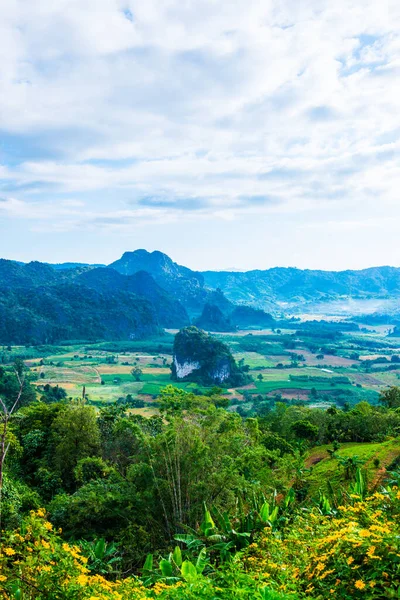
[
  {"x": 76, "y": 436},
  {"x": 390, "y": 397},
  {"x": 66, "y": 311},
  {"x": 305, "y": 430},
  {"x": 9, "y": 385},
  {"x": 103, "y": 557},
  {"x": 216, "y": 363}
]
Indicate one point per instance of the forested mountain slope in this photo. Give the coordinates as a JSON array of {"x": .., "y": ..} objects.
[{"x": 280, "y": 285}]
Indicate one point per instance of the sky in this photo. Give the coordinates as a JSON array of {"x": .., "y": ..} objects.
[{"x": 227, "y": 133}]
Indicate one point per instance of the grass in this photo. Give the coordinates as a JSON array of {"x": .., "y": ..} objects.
[{"x": 325, "y": 469}]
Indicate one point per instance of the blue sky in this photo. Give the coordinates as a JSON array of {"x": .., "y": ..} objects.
[{"x": 226, "y": 134}]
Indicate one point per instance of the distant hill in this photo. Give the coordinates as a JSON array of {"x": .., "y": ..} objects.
[
  {"x": 281, "y": 286},
  {"x": 71, "y": 265},
  {"x": 143, "y": 291},
  {"x": 246, "y": 316},
  {"x": 183, "y": 284},
  {"x": 65, "y": 311},
  {"x": 274, "y": 290},
  {"x": 170, "y": 312},
  {"x": 41, "y": 304},
  {"x": 213, "y": 319}
]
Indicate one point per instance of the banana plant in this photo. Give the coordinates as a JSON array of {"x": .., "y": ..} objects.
[
  {"x": 224, "y": 535},
  {"x": 359, "y": 486},
  {"x": 324, "y": 505},
  {"x": 103, "y": 556},
  {"x": 173, "y": 569}
]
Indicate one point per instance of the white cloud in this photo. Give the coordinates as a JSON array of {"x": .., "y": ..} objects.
[{"x": 223, "y": 101}]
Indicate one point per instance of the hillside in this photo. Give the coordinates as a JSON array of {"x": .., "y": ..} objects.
[
  {"x": 183, "y": 284},
  {"x": 41, "y": 304},
  {"x": 170, "y": 311},
  {"x": 213, "y": 319},
  {"x": 278, "y": 286},
  {"x": 177, "y": 295},
  {"x": 49, "y": 314},
  {"x": 273, "y": 289}
]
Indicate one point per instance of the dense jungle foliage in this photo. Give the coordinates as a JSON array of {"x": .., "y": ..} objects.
[{"x": 199, "y": 502}]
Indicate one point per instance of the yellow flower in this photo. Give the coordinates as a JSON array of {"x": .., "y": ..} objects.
[
  {"x": 350, "y": 560},
  {"x": 48, "y": 526},
  {"x": 365, "y": 533},
  {"x": 2, "y": 578},
  {"x": 359, "y": 584},
  {"x": 372, "y": 584},
  {"x": 9, "y": 551},
  {"x": 81, "y": 579},
  {"x": 45, "y": 544}
]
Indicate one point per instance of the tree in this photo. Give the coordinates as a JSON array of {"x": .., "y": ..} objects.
[
  {"x": 136, "y": 373},
  {"x": 76, "y": 433},
  {"x": 390, "y": 397},
  {"x": 305, "y": 430},
  {"x": 260, "y": 377},
  {"x": 8, "y": 409}
]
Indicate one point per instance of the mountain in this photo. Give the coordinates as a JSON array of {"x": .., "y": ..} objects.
[
  {"x": 247, "y": 316},
  {"x": 170, "y": 312},
  {"x": 71, "y": 265},
  {"x": 14, "y": 274},
  {"x": 129, "y": 299},
  {"x": 201, "y": 358},
  {"x": 274, "y": 290},
  {"x": 67, "y": 311},
  {"x": 39, "y": 304},
  {"x": 213, "y": 319},
  {"x": 143, "y": 291},
  {"x": 289, "y": 286},
  {"x": 183, "y": 284}
]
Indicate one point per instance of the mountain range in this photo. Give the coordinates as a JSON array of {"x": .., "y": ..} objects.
[{"x": 142, "y": 293}]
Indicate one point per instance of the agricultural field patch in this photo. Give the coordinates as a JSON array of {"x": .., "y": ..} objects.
[
  {"x": 60, "y": 375},
  {"x": 282, "y": 363},
  {"x": 328, "y": 360}
]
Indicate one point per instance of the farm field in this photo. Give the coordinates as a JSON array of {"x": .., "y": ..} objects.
[{"x": 318, "y": 365}]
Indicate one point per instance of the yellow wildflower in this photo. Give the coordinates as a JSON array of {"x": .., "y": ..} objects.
[
  {"x": 82, "y": 580},
  {"x": 9, "y": 551},
  {"x": 365, "y": 533},
  {"x": 359, "y": 584}
]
